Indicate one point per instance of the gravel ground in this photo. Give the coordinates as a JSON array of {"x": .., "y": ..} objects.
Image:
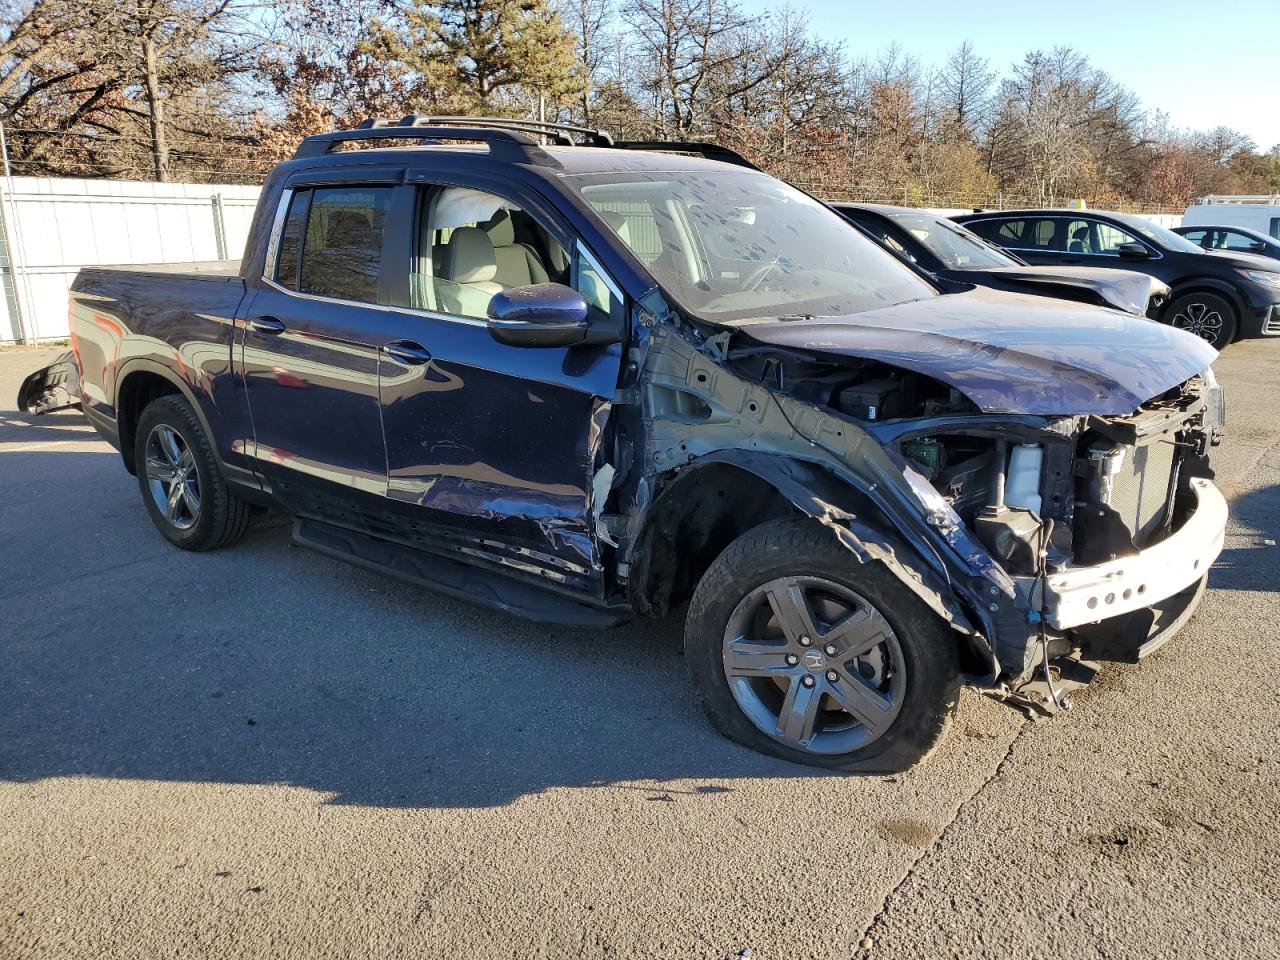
[{"x": 263, "y": 752}]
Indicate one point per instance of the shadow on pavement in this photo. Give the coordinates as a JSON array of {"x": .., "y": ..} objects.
[{"x": 125, "y": 658}]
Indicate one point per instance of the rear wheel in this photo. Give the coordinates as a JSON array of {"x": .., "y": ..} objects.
[
  {"x": 181, "y": 483},
  {"x": 1207, "y": 315},
  {"x": 800, "y": 651}
]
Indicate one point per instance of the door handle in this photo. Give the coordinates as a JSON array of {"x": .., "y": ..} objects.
[
  {"x": 406, "y": 351},
  {"x": 266, "y": 325}
]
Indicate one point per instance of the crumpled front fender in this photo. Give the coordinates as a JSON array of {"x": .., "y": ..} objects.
[{"x": 819, "y": 494}]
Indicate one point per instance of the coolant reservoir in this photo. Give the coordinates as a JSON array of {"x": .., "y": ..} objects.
[{"x": 1022, "y": 489}]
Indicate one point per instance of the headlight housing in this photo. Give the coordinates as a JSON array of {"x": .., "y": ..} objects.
[{"x": 1264, "y": 277}]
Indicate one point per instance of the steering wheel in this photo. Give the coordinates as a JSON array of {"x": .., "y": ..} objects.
[{"x": 758, "y": 275}]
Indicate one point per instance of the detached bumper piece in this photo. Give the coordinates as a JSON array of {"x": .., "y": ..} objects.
[
  {"x": 1083, "y": 595},
  {"x": 53, "y": 388}
]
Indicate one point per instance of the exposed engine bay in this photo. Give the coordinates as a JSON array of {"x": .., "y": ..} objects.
[{"x": 1049, "y": 501}]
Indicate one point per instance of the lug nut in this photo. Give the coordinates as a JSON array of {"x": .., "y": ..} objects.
[
  {"x": 804, "y": 640},
  {"x": 792, "y": 659},
  {"x": 807, "y": 680},
  {"x": 829, "y": 649},
  {"x": 832, "y": 676}
]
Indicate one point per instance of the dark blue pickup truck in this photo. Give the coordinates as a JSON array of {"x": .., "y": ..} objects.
[{"x": 584, "y": 381}]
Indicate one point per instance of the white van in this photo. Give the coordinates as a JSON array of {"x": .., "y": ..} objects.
[{"x": 1261, "y": 212}]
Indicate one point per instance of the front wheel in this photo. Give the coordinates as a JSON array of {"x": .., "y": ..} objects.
[
  {"x": 181, "y": 482},
  {"x": 1207, "y": 315},
  {"x": 800, "y": 651}
]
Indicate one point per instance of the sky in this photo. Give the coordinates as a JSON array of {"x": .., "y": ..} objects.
[{"x": 1206, "y": 64}]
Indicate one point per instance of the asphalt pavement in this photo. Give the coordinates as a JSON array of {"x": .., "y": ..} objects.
[{"x": 263, "y": 752}]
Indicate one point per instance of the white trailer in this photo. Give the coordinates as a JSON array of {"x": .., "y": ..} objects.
[{"x": 1258, "y": 212}]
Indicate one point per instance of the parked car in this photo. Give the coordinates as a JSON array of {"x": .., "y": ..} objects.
[
  {"x": 583, "y": 384},
  {"x": 1220, "y": 296},
  {"x": 1257, "y": 212},
  {"x": 1237, "y": 239},
  {"x": 953, "y": 254}
]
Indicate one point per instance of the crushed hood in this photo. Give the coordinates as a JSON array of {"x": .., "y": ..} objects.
[
  {"x": 1010, "y": 353},
  {"x": 1125, "y": 290}
]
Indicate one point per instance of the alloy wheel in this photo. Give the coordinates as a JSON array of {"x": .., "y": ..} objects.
[
  {"x": 172, "y": 477},
  {"x": 1200, "y": 319},
  {"x": 814, "y": 665}
]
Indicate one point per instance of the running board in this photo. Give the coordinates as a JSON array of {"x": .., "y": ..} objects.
[{"x": 450, "y": 577}]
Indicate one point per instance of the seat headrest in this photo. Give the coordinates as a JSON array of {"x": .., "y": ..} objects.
[
  {"x": 501, "y": 229},
  {"x": 468, "y": 257}
]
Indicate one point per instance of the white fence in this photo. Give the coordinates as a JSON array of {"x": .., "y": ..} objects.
[{"x": 53, "y": 227}]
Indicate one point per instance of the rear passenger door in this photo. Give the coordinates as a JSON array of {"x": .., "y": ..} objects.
[
  {"x": 309, "y": 349},
  {"x": 492, "y": 450},
  {"x": 1033, "y": 239}
]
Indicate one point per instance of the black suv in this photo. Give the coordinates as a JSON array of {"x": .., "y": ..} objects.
[{"x": 1221, "y": 296}]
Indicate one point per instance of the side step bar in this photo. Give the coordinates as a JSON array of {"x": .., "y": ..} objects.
[{"x": 451, "y": 577}]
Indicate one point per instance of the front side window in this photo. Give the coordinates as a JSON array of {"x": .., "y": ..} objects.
[
  {"x": 736, "y": 245},
  {"x": 1231, "y": 240},
  {"x": 473, "y": 244},
  {"x": 331, "y": 244}
]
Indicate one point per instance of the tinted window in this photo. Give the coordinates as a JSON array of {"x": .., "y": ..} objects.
[
  {"x": 342, "y": 245},
  {"x": 289, "y": 256},
  {"x": 1275, "y": 227},
  {"x": 1197, "y": 237},
  {"x": 1016, "y": 234}
]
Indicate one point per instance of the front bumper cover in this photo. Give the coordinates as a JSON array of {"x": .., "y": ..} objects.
[{"x": 1081, "y": 595}]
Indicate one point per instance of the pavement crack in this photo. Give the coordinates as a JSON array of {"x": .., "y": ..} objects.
[{"x": 869, "y": 933}]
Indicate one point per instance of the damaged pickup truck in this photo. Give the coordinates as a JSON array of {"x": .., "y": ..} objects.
[{"x": 585, "y": 381}]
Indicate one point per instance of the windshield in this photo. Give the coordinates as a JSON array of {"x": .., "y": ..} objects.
[
  {"x": 1158, "y": 234},
  {"x": 952, "y": 244},
  {"x": 735, "y": 245}
]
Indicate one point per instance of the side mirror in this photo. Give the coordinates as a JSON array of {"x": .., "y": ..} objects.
[
  {"x": 1133, "y": 251},
  {"x": 538, "y": 315},
  {"x": 1257, "y": 246}
]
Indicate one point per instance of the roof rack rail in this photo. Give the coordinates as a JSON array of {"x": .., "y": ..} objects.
[
  {"x": 560, "y": 132},
  {"x": 709, "y": 151},
  {"x": 512, "y": 145},
  {"x": 511, "y": 140}
]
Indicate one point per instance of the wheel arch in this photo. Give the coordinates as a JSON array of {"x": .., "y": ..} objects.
[
  {"x": 721, "y": 496},
  {"x": 140, "y": 382}
]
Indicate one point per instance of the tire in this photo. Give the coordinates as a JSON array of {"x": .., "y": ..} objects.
[
  {"x": 913, "y": 666},
  {"x": 171, "y": 448},
  {"x": 1207, "y": 315}
]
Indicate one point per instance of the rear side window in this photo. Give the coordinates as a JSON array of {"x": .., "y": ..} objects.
[
  {"x": 1017, "y": 234},
  {"x": 1196, "y": 237},
  {"x": 331, "y": 244}
]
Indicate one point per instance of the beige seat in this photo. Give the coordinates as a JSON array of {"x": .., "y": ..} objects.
[
  {"x": 517, "y": 264},
  {"x": 467, "y": 272}
]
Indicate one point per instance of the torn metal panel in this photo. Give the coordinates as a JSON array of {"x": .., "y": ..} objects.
[{"x": 54, "y": 387}]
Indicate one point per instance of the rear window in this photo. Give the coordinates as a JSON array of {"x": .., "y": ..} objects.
[{"x": 331, "y": 245}]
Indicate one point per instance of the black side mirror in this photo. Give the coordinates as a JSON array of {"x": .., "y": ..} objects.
[
  {"x": 1257, "y": 246},
  {"x": 1133, "y": 251},
  {"x": 538, "y": 315}
]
